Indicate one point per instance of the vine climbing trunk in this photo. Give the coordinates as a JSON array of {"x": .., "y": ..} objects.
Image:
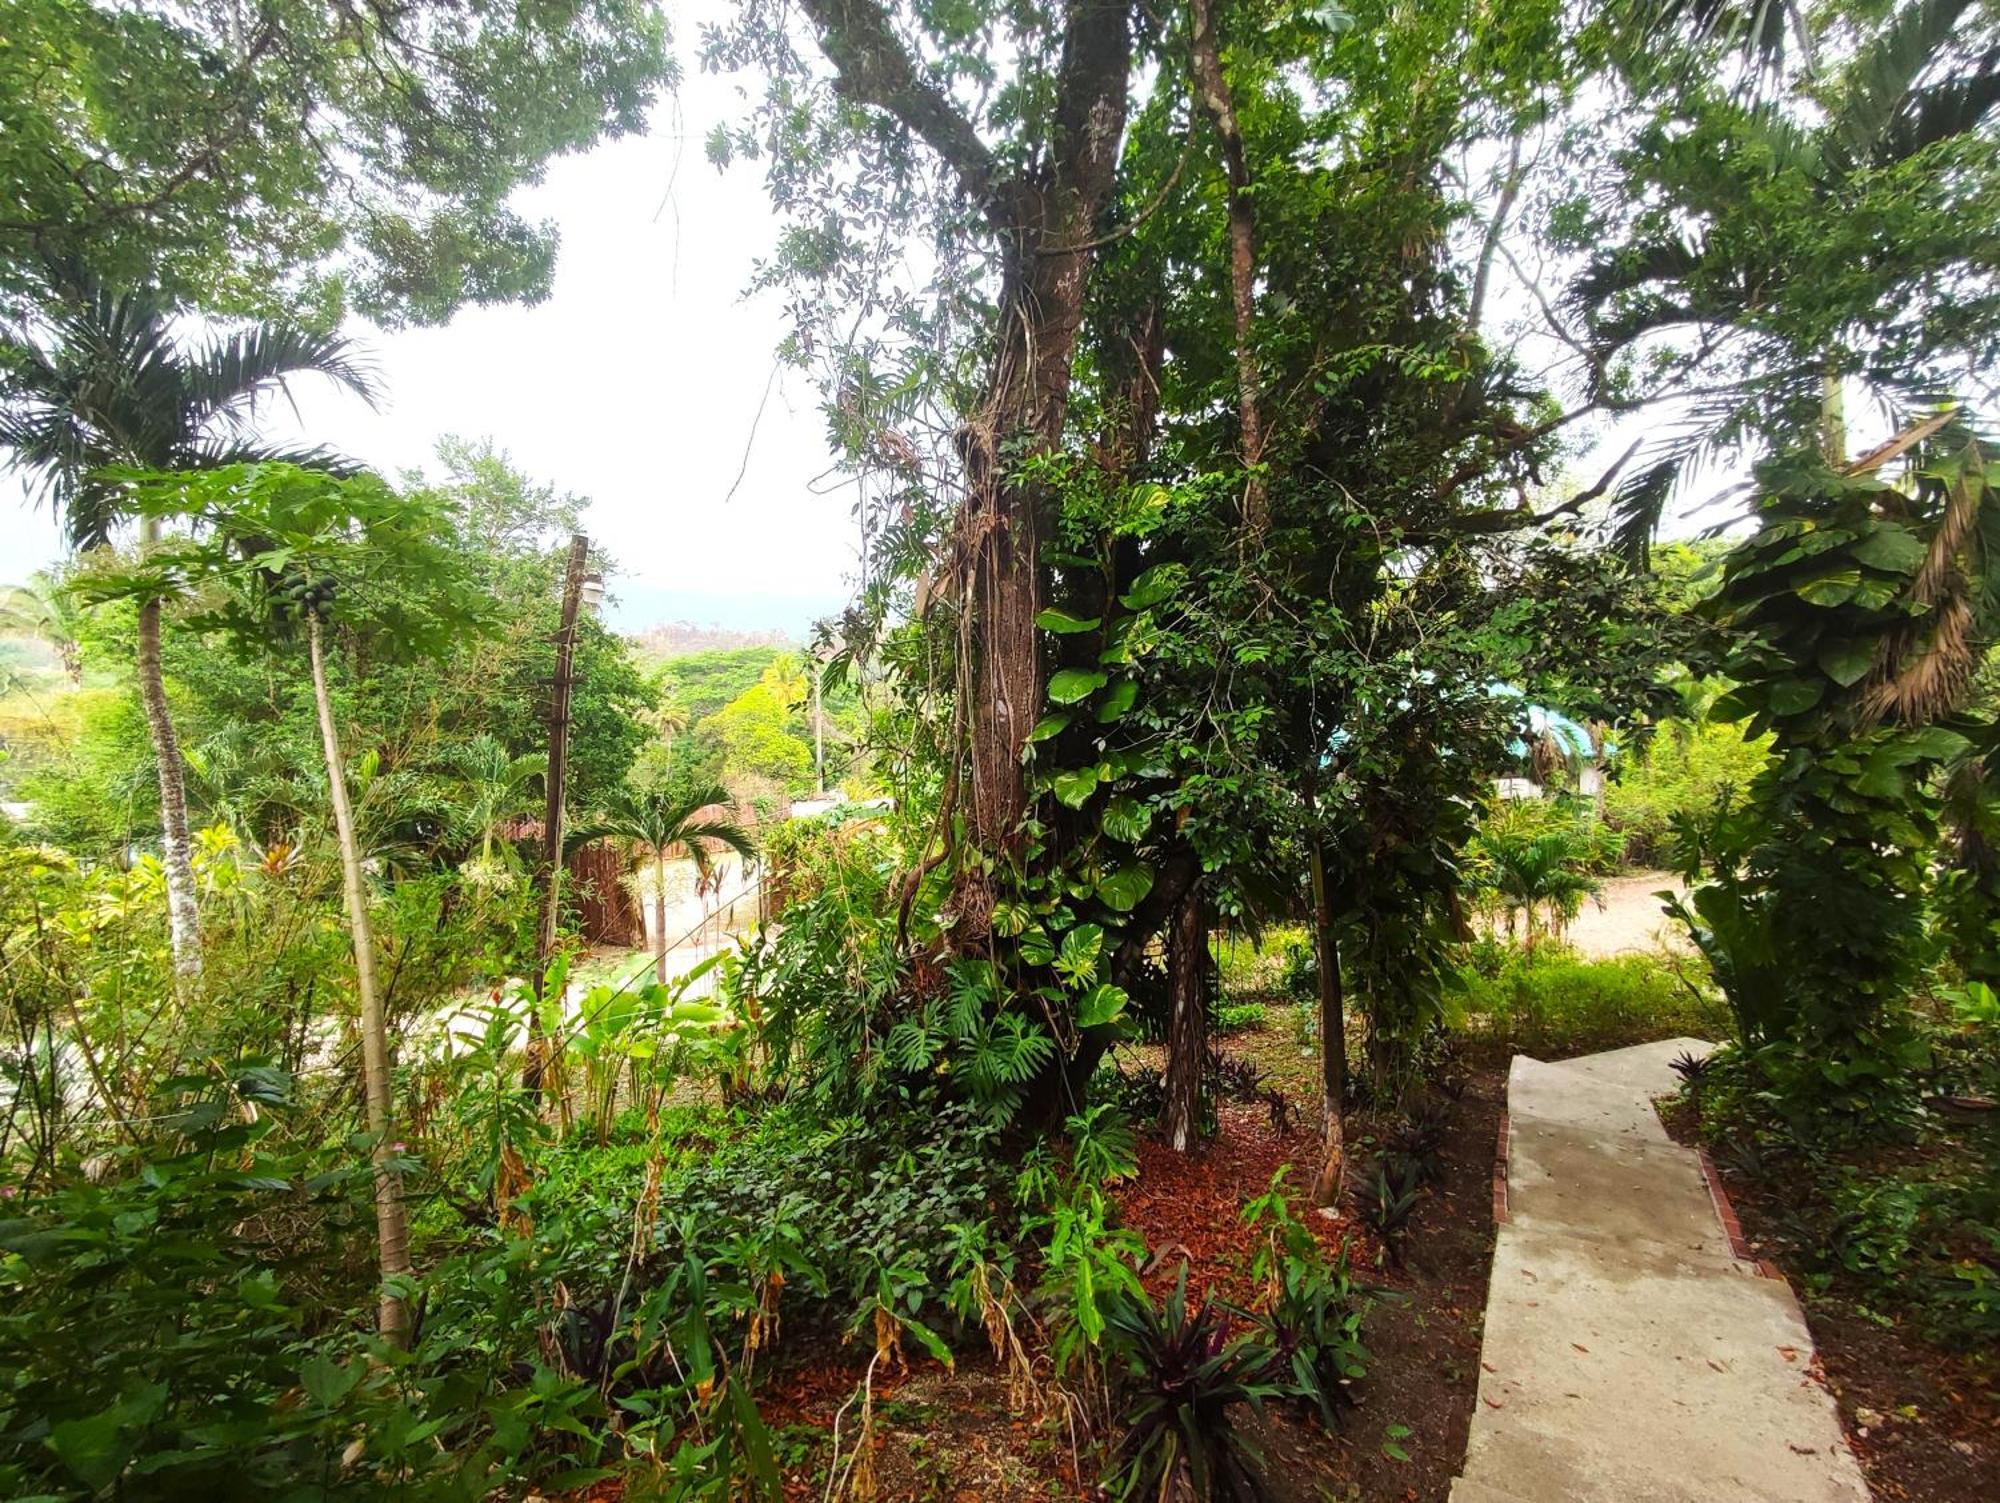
[
  {"x": 1212, "y": 88},
  {"x": 392, "y": 1229},
  {"x": 1332, "y": 1037},
  {"x": 1188, "y": 972},
  {"x": 176, "y": 846}
]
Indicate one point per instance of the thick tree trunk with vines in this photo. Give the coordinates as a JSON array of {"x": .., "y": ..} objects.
[
  {"x": 1045, "y": 218},
  {"x": 176, "y": 846},
  {"x": 1188, "y": 975},
  {"x": 392, "y": 1230}
]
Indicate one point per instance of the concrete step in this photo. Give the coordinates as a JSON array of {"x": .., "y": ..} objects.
[
  {"x": 1616, "y": 1186},
  {"x": 1610, "y": 1093},
  {"x": 1619, "y": 1372}
]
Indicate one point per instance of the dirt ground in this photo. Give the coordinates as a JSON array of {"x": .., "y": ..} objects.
[{"x": 1627, "y": 917}]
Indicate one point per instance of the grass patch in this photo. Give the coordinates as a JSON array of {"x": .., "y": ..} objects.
[{"x": 1556, "y": 1003}]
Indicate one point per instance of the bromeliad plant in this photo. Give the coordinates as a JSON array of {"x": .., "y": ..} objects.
[{"x": 1186, "y": 1376}]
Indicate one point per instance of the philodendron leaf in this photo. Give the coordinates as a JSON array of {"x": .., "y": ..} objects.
[
  {"x": 1156, "y": 584},
  {"x": 1795, "y": 696},
  {"x": 1074, "y": 788},
  {"x": 1890, "y": 547},
  {"x": 1064, "y": 623},
  {"x": 1846, "y": 662},
  {"x": 1126, "y": 888},
  {"x": 1102, "y": 1004},
  {"x": 1047, "y": 726},
  {"x": 1126, "y": 819},
  {"x": 1076, "y": 962},
  {"x": 1123, "y": 695},
  {"x": 1073, "y": 684}
]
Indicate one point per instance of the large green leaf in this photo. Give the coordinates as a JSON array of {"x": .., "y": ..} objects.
[
  {"x": 1063, "y": 623},
  {"x": 1102, "y": 1004},
  {"x": 1076, "y": 961},
  {"x": 1846, "y": 662},
  {"x": 1126, "y": 819},
  {"x": 1124, "y": 694},
  {"x": 1047, "y": 726},
  {"x": 1795, "y": 696},
  {"x": 1073, "y": 684},
  {"x": 1126, "y": 888},
  {"x": 1074, "y": 787},
  {"x": 1156, "y": 584},
  {"x": 1890, "y": 547},
  {"x": 1834, "y": 588}
]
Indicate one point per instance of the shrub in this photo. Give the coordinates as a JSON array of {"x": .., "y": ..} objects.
[
  {"x": 1678, "y": 773},
  {"x": 1236, "y": 1016},
  {"x": 1556, "y": 1002}
]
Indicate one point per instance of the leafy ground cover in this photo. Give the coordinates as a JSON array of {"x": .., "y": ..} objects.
[{"x": 953, "y": 1435}]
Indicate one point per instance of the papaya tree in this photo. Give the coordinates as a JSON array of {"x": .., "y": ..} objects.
[{"x": 287, "y": 556}]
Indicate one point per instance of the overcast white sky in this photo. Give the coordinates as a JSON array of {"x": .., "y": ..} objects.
[{"x": 635, "y": 385}]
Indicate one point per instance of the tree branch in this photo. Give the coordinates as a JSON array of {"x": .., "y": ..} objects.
[{"x": 876, "y": 69}]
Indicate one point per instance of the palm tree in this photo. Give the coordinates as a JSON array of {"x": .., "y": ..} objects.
[
  {"x": 44, "y": 609},
  {"x": 1769, "y": 316},
  {"x": 496, "y": 787},
  {"x": 98, "y": 380},
  {"x": 656, "y": 824},
  {"x": 1535, "y": 871}
]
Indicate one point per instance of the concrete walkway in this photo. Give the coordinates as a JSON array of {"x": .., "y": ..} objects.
[{"x": 1630, "y": 1356}]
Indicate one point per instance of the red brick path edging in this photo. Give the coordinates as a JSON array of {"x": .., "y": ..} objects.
[{"x": 1726, "y": 1214}]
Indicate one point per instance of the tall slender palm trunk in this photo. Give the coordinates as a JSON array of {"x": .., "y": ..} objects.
[
  {"x": 176, "y": 847},
  {"x": 392, "y": 1229},
  {"x": 660, "y": 917}
]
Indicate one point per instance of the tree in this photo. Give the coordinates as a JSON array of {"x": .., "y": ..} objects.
[
  {"x": 656, "y": 825},
  {"x": 44, "y": 609},
  {"x": 303, "y": 158},
  {"x": 497, "y": 787},
  {"x": 1787, "y": 211},
  {"x": 1027, "y": 173},
  {"x": 97, "y": 379},
  {"x": 287, "y": 549}
]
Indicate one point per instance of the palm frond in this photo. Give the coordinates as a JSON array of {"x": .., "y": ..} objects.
[
  {"x": 1888, "y": 70},
  {"x": 1951, "y": 107},
  {"x": 228, "y": 376}
]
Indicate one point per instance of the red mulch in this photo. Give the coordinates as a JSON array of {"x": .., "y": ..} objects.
[
  {"x": 950, "y": 1436},
  {"x": 1189, "y": 1207}
]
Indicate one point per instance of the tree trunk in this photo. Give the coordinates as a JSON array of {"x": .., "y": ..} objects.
[
  {"x": 392, "y": 1230},
  {"x": 1213, "y": 90},
  {"x": 1332, "y": 1038},
  {"x": 176, "y": 847},
  {"x": 660, "y": 918},
  {"x": 1187, "y": 1027},
  {"x": 549, "y": 873}
]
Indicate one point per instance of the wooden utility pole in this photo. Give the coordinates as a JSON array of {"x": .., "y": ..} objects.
[
  {"x": 819, "y": 732},
  {"x": 549, "y": 874}
]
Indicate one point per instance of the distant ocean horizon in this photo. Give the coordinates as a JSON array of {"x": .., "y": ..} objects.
[{"x": 632, "y": 606}]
